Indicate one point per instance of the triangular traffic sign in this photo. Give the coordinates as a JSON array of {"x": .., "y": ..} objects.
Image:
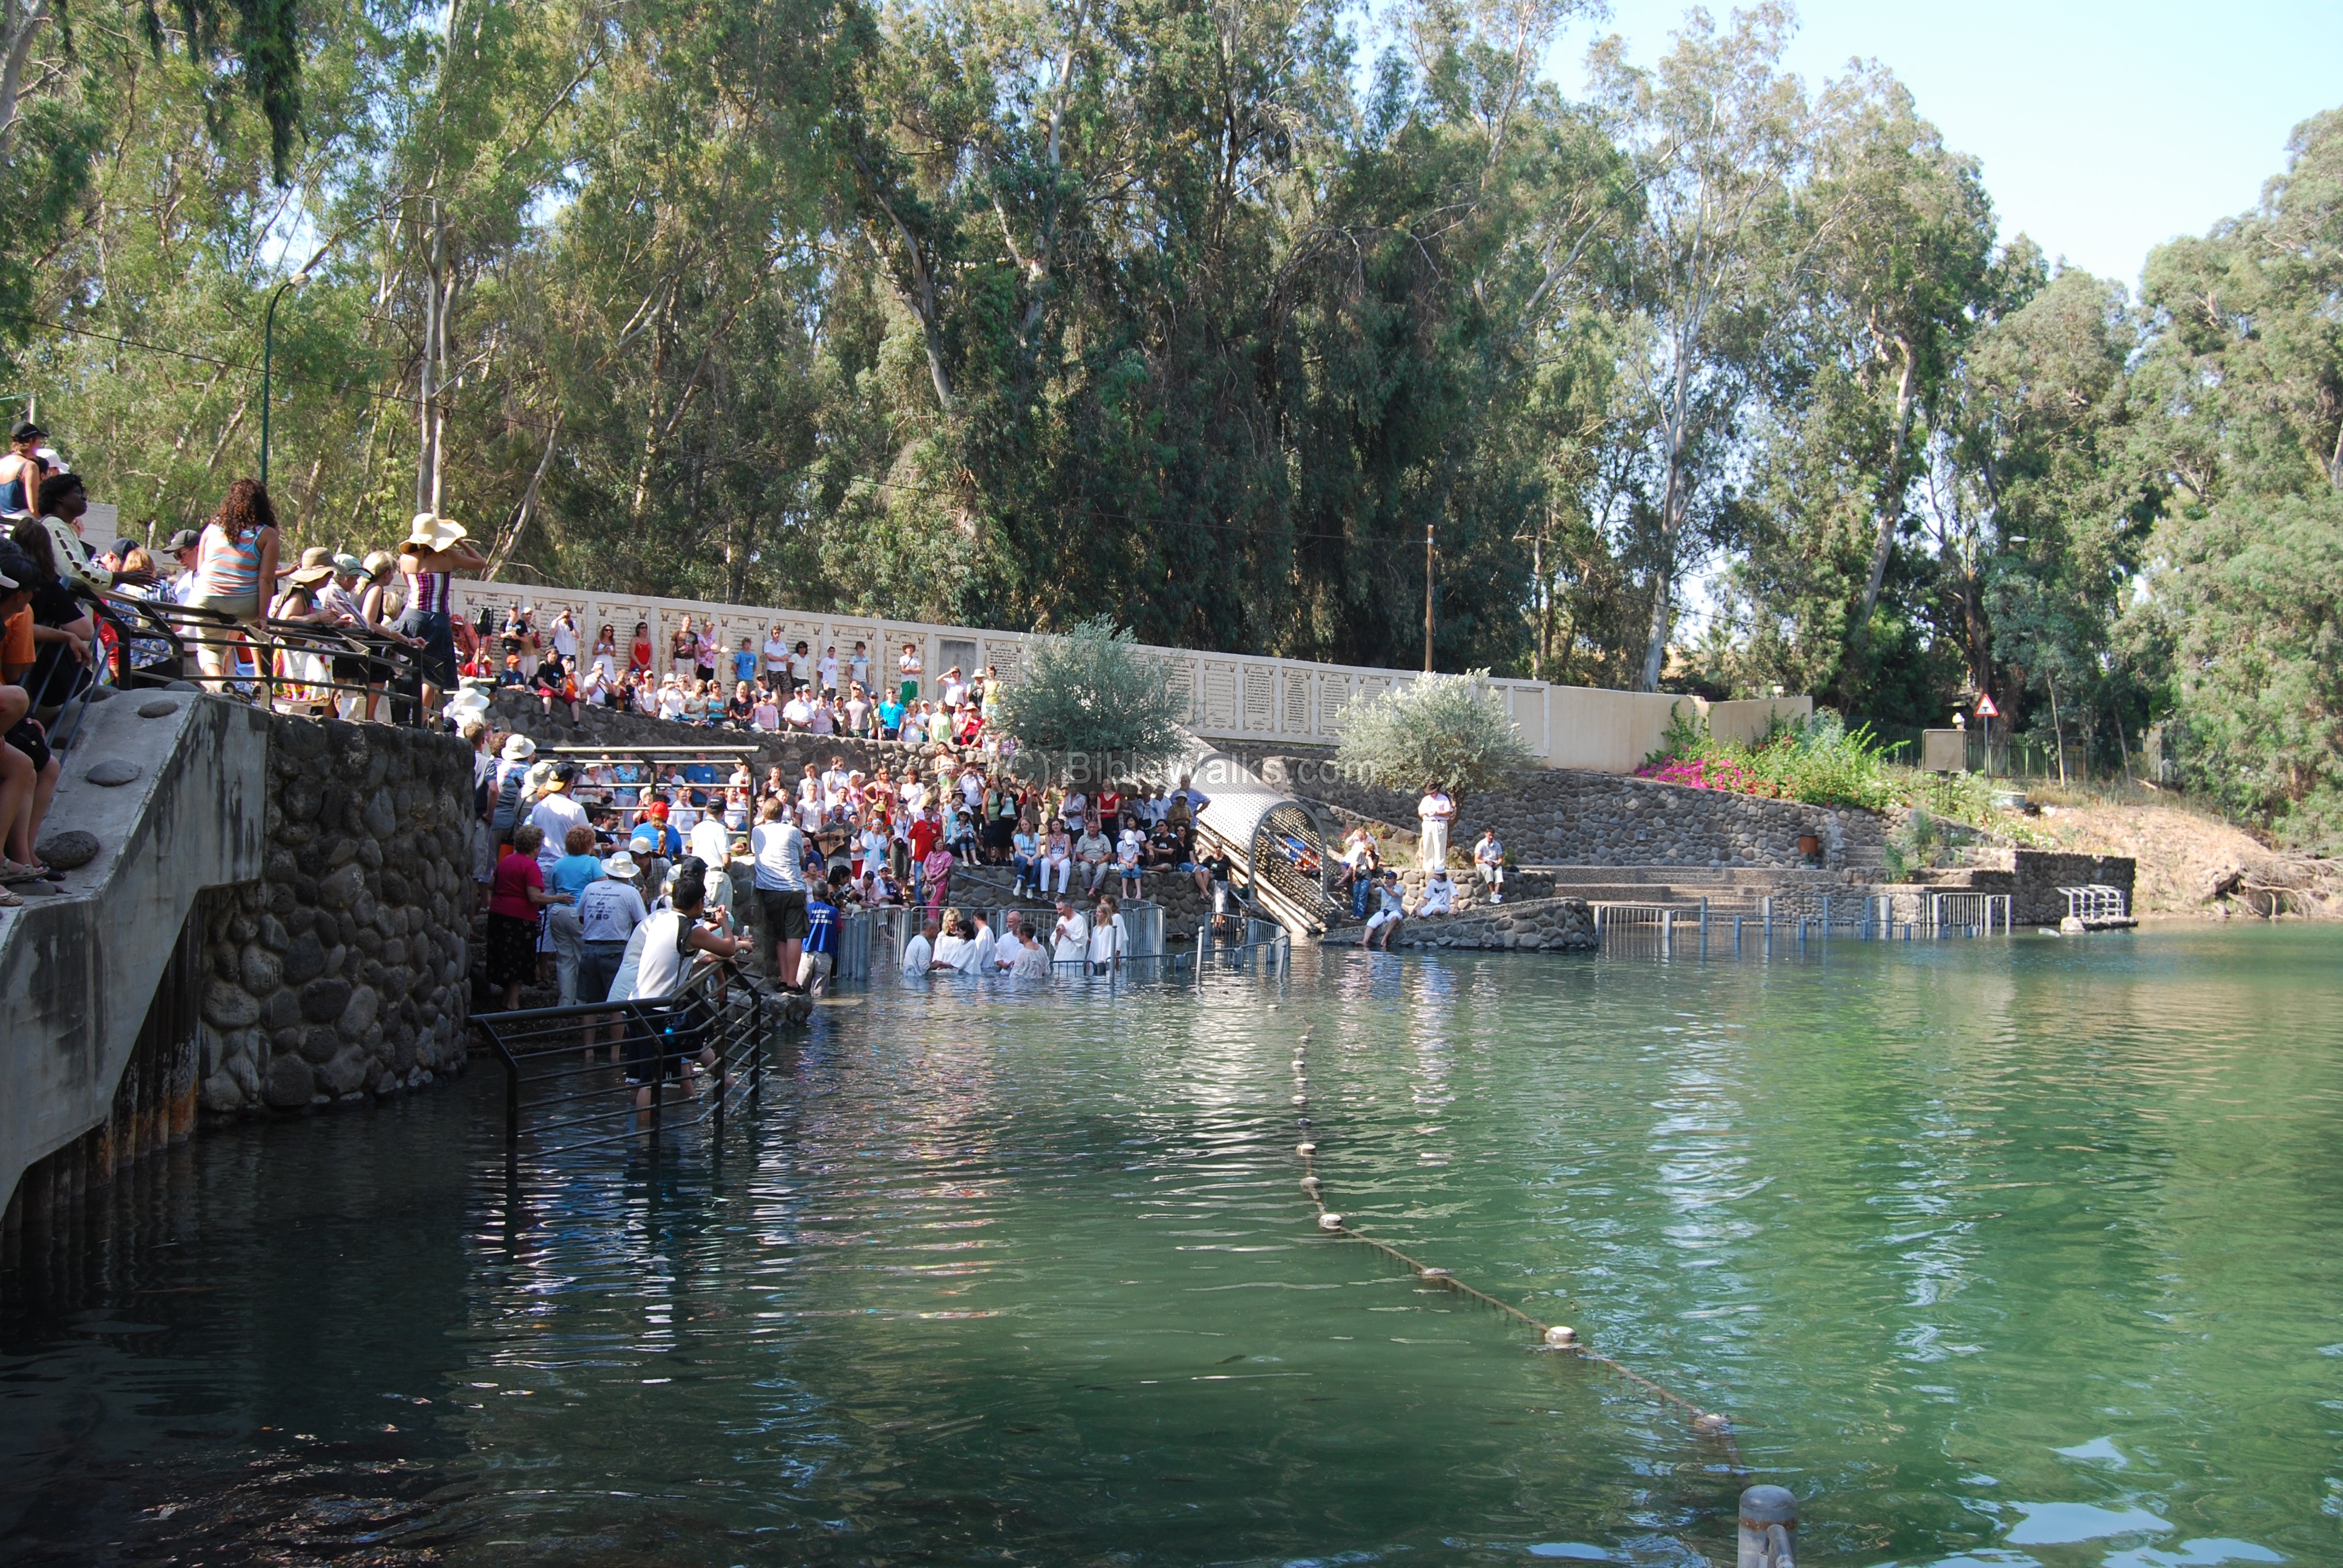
[{"x": 1985, "y": 707}]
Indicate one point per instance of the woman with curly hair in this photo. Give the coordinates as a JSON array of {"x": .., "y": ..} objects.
[{"x": 236, "y": 571}]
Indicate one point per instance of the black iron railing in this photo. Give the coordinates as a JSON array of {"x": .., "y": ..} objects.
[
  {"x": 559, "y": 1088},
  {"x": 289, "y": 665}
]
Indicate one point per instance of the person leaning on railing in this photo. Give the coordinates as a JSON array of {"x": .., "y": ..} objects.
[
  {"x": 235, "y": 560},
  {"x": 28, "y": 772}
]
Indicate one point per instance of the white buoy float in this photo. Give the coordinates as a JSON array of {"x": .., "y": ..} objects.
[
  {"x": 1330, "y": 1221},
  {"x": 1712, "y": 1422},
  {"x": 1305, "y": 1150},
  {"x": 1562, "y": 1337},
  {"x": 1435, "y": 1273}
]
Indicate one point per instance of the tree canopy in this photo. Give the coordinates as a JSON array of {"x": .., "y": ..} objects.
[{"x": 1213, "y": 320}]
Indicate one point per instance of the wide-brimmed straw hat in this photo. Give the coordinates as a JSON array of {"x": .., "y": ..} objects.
[
  {"x": 520, "y": 749},
  {"x": 435, "y": 532},
  {"x": 309, "y": 576},
  {"x": 316, "y": 555},
  {"x": 620, "y": 865}
]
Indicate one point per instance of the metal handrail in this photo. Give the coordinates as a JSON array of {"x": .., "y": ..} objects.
[
  {"x": 537, "y": 1047},
  {"x": 392, "y": 665}
]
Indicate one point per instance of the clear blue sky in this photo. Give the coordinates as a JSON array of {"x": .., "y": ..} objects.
[{"x": 2103, "y": 128}]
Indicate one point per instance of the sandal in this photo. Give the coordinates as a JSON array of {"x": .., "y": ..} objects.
[
  {"x": 9, "y": 900},
  {"x": 12, "y": 873}
]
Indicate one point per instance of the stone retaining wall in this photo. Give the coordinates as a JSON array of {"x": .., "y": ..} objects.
[
  {"x": 343, "y": 971},
  {"x": 1547, "y": 925},
  {"x": 1562, "y": 817}
]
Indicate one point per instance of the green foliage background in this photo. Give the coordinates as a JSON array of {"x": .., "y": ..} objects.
[{"x": 1199, "y": 317}]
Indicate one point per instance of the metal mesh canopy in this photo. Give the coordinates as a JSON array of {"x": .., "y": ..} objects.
[{"x": 1274, "y": 837}]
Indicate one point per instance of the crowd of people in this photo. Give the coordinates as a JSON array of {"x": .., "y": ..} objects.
[{"x": 781, "y": 686}]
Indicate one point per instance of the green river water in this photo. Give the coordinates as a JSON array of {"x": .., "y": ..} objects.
[{"x": 1997, "y": 1252}]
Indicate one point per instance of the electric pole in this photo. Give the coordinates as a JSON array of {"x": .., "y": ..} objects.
[{"x": 1427, "y": 598}]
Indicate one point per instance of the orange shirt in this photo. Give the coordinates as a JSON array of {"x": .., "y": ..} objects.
[{"x": 17, "y": 643}]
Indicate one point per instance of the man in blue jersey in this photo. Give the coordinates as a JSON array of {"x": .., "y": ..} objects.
[{"x": 821, "y": 957}]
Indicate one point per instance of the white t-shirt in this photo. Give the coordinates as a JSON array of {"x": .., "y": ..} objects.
[
  {"x": 1439, "y": 896},
  {"x": 798, "y": 712},
  {"x": 953, "y": 952},
  {"x": 1031, "y": 963},
  {"x": 565, "y": 639},
  {"x": 1436, "y": 807},
  {"x": 1073, "y": 935},
  {"x": 830, "y": 670},
  {"x": 859, "y": 666},
  {"x": 779, "y": 851},
  {"x": 980, "y": 950},
  {"x": 610, "y": 910},
  {"x": 918, "y": 955},
  {"x": 555, "y": 815},
  {"x": 777, "y": 655}
]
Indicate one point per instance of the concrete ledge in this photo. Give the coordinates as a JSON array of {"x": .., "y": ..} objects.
[
  {"x": 80, "y": 966},
  {"x": 1542, "y": 925}
]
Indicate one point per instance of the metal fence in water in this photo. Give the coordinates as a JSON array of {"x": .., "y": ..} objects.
[
  {"x": 1715, "y": 926},
  {"x": 572, "y": 1074}
]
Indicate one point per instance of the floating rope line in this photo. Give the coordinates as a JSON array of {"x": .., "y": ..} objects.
[{"x": 1557, "y": 1337}]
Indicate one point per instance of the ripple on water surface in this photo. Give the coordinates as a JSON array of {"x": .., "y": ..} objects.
[{"x": 1031, "y": 1274}]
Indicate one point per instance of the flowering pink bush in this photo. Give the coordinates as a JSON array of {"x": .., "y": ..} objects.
[{"x": 1708, "y": 773}]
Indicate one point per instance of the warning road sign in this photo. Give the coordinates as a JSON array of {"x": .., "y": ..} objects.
[{"x": 1985, "y": 707}]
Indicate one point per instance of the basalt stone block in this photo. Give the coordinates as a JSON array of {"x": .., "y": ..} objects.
[
  {"x": 261, "y": 970},
  {"x": 290, "y": 1084},
  {"x": 301, "y": 738},
  {"x": 272, "y": 934},
  {"x": 341, "y": 888},
  {"x": 300, "y": 891},
  {"x": 282, "y": 1009},
  {"x": 305, "y": 959},
  {"x": 227, "y": 1006},
  {"x": 340, "y": 852},
  {"x": 370, "y": 854},
  {"x": 394, "y": 887},
  {"x": 345, "y": 1072},
  {"x": 300, "y": 797},
  {"x": 359, "y": 1014},
  {"x": 221, "y": 1093},
  {"x": 319, "y": 1044},
  {"x": 394, "y": 953},
  {"x": 281, "y": 866},
  {"x": 69, "y": 850},
  {"x": 323, "y": 999},
  {"x": 379, "y": 816},
  {"x": 112, "y": 772}
]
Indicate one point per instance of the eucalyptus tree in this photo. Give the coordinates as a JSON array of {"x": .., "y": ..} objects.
[{"x": 1717, "y": 135}]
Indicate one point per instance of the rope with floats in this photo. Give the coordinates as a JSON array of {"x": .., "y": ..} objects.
[{"x": 1559, "y": 1338}]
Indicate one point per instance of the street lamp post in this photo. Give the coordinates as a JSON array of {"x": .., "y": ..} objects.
[{"x": 267, "y": 353}]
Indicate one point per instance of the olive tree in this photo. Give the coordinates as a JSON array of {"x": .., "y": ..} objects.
[
  {"x": 1447, "y": 729},
  {"x": 1091, "y": 705}
]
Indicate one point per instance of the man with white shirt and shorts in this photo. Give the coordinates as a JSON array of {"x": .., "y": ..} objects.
[{"x": 1434, "y": 814}]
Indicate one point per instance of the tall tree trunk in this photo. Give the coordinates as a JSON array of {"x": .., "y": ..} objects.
[{"x": 1889, "y": 509}]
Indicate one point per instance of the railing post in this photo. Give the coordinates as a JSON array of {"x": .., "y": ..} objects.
[
  {"x": 1667, "y": 931},
  {"x": 1825, "y": 914},
  {"x": 1704, "y": 925},
  {"x": 1765, "y": 912},
  {"x": 1769, "y": 1528}
]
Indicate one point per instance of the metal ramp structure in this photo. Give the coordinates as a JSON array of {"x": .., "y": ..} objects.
[{"x": 1277, "y": 842}]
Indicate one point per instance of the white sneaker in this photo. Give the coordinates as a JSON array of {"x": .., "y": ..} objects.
[{"x": 1496, "y": 897}]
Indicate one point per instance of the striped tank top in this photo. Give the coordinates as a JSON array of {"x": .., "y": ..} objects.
[
  {"x": 426, "y": 592},
  {"x": 226, "y": 568}
]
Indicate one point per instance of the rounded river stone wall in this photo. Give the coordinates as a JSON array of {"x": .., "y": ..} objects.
[
  {"x": 342, "y": 972},
  {"x": 1560, "y": 817}
]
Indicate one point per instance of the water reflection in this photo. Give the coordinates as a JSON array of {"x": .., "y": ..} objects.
[{"x": 1030, "y": 1275}]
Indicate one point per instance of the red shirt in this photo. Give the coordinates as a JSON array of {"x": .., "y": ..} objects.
[
  {"x": 639, "y": 656},
  {"x": 924, "y": 834},
  {"x": 509, "y": 895}
]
